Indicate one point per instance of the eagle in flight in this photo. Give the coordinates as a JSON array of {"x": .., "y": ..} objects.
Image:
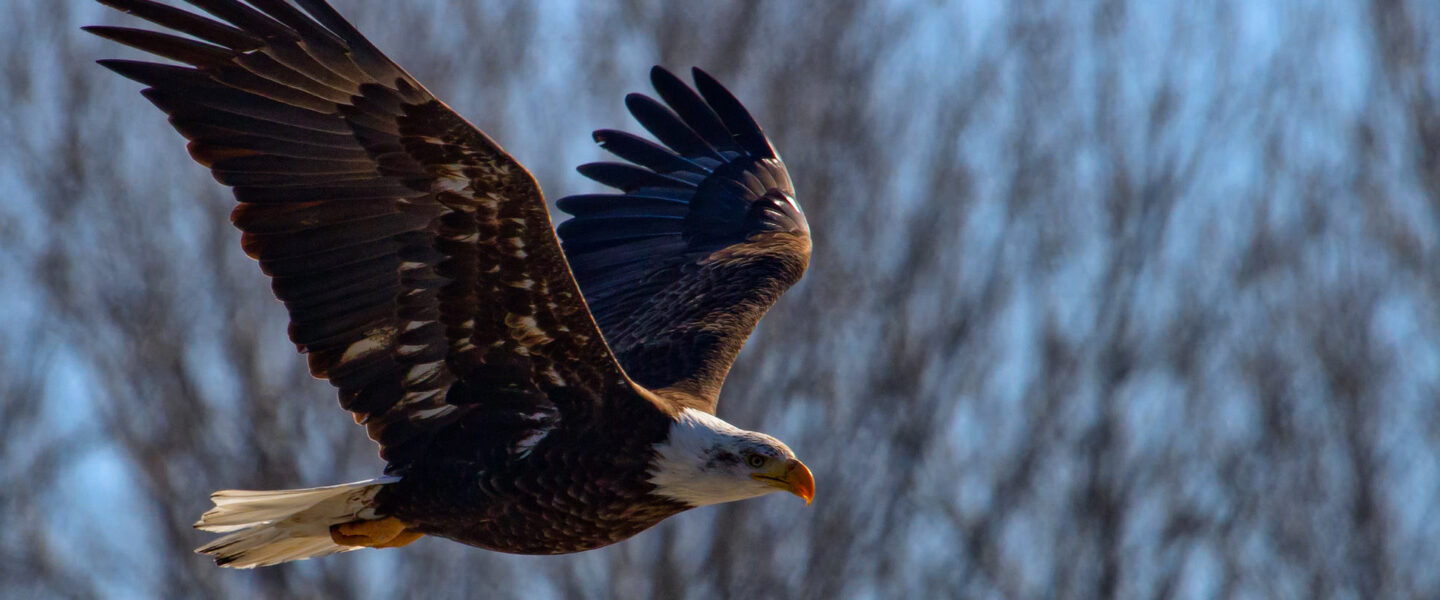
[{"x": 529, "y": 393}]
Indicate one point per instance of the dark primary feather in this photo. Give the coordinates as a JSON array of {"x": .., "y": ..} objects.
[
  {"x": 415, "y": 257},
  {"x": 693, "y": 110},
  {"x": 679, "y": 269},
  {"x": 733, "y": 115},
  {"x": 668, "y": 128},
  {"x": 646, "y": 153}
]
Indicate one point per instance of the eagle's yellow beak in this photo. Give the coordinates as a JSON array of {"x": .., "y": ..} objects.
[{"x": 792, "y": 476}]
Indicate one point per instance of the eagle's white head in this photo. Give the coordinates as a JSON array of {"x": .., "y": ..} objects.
[{"x": 708, "y": 461}]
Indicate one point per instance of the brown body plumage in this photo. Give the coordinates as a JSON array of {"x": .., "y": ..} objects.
[
  {"x": 570, "y": 493},
  {"x": 423, "y": 279}
]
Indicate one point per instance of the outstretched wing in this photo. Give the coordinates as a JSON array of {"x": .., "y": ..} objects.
[
  {"x": 416, "y": 258},
  {"x": 706, "y": 236}
]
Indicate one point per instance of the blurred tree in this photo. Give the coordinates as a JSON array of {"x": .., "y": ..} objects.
[{"x": 1110, "y": 299}]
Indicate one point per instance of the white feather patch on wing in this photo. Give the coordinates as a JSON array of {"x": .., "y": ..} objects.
[
  {"x": 431, "y": 413},
  {"x": 422, "y": 373},
  {"x": 374, "y": 341},
  {"x": 525, "y": 445},
  {"x": 545, "y": 418},
  {"x": 412, "y": 398},
  {"x": 450, "y": 181},
  {"x": 526, "y": 330},
  {"x": 409, "y": 349},
  {"x": 555, "y": 376}
]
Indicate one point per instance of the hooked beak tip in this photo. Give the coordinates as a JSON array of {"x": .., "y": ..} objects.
[
  {"x": 793, "y": 477},
  {"x": 801, "y": 481}
]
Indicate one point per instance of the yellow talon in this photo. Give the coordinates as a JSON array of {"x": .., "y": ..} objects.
[
  {"x": 388, "y": 532},
  {"x": 404, "y": 538}
]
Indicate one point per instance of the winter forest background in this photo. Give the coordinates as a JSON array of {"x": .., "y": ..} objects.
[{"x": 1109, "y": 299}]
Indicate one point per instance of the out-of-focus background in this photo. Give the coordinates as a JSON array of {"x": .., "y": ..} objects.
[{"x": 1109, "y": 299}]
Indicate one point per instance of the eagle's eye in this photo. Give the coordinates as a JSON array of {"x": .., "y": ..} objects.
[{"x": 755, "y": 460}]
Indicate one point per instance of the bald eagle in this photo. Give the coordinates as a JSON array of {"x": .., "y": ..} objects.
[{"x": 529, "y": 394}]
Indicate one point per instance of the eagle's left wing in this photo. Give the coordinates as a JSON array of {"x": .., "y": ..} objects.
[
  {"x": 415, "y": 257},
  {"x": 705, "y": 238}
]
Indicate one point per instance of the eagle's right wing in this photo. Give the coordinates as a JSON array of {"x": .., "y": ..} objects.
[
  {"x": 415, "y": 257},
  {"x": 707, "y": 235}
]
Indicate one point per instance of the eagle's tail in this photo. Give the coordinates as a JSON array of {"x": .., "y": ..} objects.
[{"x": 275, "y": 526}]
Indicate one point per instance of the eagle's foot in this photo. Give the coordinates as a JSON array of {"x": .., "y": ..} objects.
[{"x": 388, "y": 532}]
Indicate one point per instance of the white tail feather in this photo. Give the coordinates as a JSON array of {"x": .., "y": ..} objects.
[{"x": 275, "y": 526}]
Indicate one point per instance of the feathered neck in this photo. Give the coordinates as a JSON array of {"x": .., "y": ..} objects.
[{"x": 684, "y": 465}]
